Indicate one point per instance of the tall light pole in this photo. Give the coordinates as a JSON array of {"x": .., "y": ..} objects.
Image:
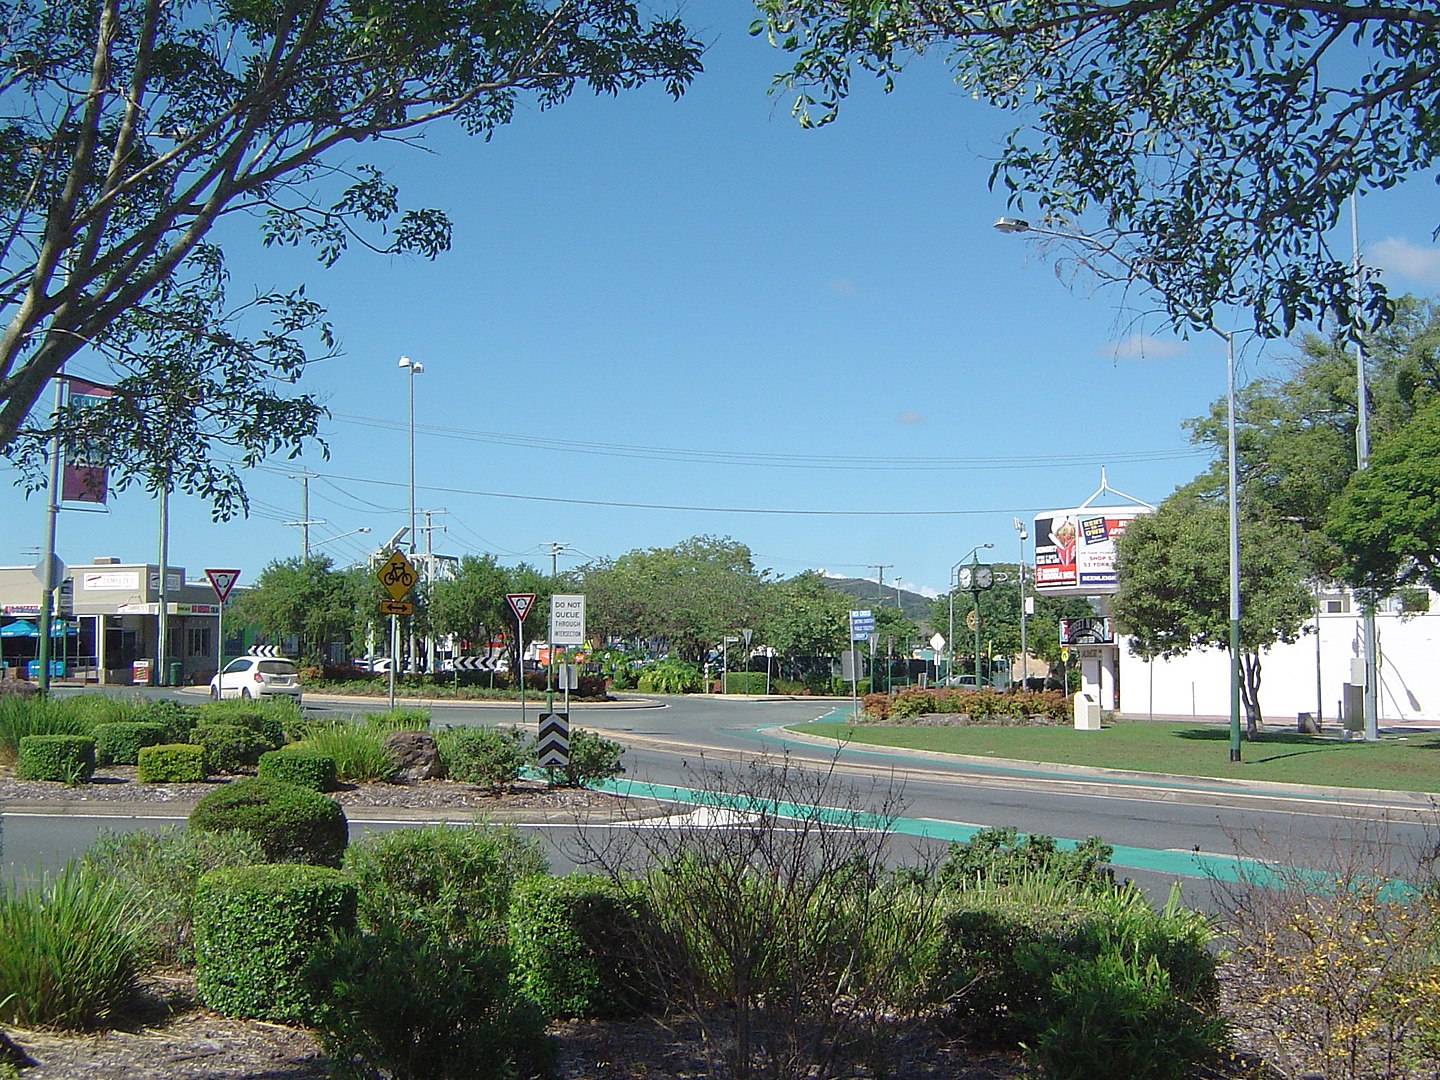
[
  {"x": 953, "y": 570},
  {"x": 1024, "y": 655},
  {"x": 413, "y": 368},
  {"x": 1019, "y": 225},
  {"x": 341, "y": 536},
  {"x": 1371, "y": 707}
]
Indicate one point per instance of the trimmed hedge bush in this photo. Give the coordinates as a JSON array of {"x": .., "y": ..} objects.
[
  {"x": 255, "y": 929},
  {"x": 292, "y": 823},
  {"x": 445, "y": 884},
  {"x": 171, "y": 763},
  {"x": 489, "y": 756},
  {"x": 418, "y": 1009},
  {"x": 229, "y": 747},
  {"x": 119, "y": 743},
  {"x": 177, "y": 719},
  {"x": 592, "y": 758},
  {"x": 70, "y": 759},
  {"x": 581, "y": 944},
  {"x": 268, "y": 719},
  {"x": 296, "y": 765}
]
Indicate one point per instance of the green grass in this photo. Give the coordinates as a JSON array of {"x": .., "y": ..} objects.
[{"x": 1184, "y": 749}]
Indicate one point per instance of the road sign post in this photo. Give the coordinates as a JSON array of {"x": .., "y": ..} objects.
[
  {"x": 862, "y": 625},
  {"x": 520, "y": 603},
  {"x": 397, "y": 577},
  {"x": 222, "y": 581}
]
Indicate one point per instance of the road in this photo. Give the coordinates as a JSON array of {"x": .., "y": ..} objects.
[{"x": 1162, "y": 831}]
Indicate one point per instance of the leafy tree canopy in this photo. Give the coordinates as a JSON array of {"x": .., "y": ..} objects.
[
  {"x": 130, "y": 128},
  {"x": 1213, "y": 144},
  {"x": 805, "y": 616},
  {"x": 308, "y": 598}
]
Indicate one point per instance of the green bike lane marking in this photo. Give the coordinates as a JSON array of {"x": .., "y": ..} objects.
[{"x": 1182, "y": 863}]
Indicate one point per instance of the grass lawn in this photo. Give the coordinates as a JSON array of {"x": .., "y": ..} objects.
[{"x": 1185, "y": 749}]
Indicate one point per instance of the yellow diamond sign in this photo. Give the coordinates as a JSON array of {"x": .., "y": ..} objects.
[{"x": 397, "y": 575}]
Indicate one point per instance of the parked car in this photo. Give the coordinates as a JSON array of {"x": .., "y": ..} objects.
[
  {"x": 257, "y": 677},
  {"x": 961, "y": 680}
]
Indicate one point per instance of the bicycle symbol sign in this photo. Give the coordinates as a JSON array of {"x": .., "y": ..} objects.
[{"x": 397, "y": 575}]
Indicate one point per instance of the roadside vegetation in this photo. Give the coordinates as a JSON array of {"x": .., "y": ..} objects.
[{"x": 794, "y": 941}]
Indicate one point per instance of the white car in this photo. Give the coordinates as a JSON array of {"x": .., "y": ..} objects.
[{"x": 257, "y": 677}]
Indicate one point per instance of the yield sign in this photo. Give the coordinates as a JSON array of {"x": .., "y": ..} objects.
[
  {"x": 521, "y": 603},
  {"x": 222, "y": 581}
]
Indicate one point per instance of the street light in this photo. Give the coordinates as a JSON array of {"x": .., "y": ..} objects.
[
  {"x": 413, "y": 368},
  {"x": 1019, "y": 225},
  {"x": 341, "y": 536},
  {"x": 1024, "y": 658},
  {"x": 973, "y": 551}
]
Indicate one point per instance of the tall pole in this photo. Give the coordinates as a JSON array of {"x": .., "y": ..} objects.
[
  {"x": 162, "y": 622},
  {"x": 1024, "y": 647},
  {"x": 1362, "y": 461},
  {"x": 879, "y": 569},
  {"x": 412, "y": 368},
  {"x": 47, "y": 572},
  {"x": 1231, "y": 488}
]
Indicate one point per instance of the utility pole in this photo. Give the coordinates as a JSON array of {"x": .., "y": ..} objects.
[
  {"x": 428, "y": 576},
  {"x": 880, "y": 569},
  {"x": 305, "y": 520}
]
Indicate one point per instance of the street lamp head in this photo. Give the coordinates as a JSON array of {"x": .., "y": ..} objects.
[
  {"x": 416, "y": 368},
  {"x": 1012, "y": 225}
]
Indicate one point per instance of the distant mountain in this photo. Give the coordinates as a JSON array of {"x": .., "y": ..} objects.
[{"x": 912, "y": 604}]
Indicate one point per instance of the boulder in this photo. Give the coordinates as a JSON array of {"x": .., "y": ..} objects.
[{"x": 415, "y": 755}]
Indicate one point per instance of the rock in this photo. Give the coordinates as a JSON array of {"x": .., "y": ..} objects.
[{"x": 415, "y": 755}]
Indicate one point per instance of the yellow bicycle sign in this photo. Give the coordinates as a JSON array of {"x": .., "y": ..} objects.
[{"x": 397, "y": 575}]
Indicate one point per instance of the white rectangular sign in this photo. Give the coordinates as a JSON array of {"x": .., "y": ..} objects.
[
  {"x": 567, "y": 619},
  {"x": 116, "y": 580}
]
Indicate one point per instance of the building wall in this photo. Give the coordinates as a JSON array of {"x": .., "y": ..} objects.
[{"x": 1199, "y": 684}]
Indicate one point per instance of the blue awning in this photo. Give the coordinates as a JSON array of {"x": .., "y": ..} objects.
[{"x": 22, "y": 628}]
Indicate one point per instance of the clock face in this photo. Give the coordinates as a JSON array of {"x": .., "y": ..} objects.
[{"x": 963, "y": 577}]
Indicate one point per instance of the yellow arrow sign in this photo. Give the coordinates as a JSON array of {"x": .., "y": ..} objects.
[
  {"x": 397, "y": 575},
  {"x": 396, "y": 607}
]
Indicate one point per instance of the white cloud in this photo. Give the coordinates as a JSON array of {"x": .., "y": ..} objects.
[
  {"x": 910, "y": 416},
  {"x": 1413, "y": 262},
  {"x": 1143, "y": 347}
]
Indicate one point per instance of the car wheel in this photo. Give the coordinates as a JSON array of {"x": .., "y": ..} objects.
[
  {"x": 245, "y": 693},
  {"x": 214, "y": 693}
]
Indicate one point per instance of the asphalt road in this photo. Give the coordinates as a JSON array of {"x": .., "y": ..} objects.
[{"x": 1162, "y": 831}]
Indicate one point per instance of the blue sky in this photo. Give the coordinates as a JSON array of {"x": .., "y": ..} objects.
[{"x": 661, "y": 319}]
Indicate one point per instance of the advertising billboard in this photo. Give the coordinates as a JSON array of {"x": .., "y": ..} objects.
[{"x": 1075, "y": 548}]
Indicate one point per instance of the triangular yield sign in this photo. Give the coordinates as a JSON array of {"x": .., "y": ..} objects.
[
  {"x": 521, "y": 603},
  {"x": 222, "y": 581}
]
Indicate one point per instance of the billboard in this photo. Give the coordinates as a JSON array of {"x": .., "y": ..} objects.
[{"x": 1075, "y": 548}]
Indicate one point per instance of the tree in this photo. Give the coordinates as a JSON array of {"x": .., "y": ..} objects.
[
  {"x": 133, "y": 127},
  {"x": 1000, "y": 619},
  {"x": 1214, "y": 141},
  {"x": 306, "y": 598},
  {"x": 805, "y": 616},
  {"x": 684, "y": 597},
  {"x": 1173, "y": 567},
  {"x": 1386, "y": 523}
]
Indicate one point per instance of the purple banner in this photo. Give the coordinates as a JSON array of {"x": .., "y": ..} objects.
[{"x": 81, "y": 480}]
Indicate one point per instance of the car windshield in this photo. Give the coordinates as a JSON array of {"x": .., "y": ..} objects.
[{"x": 277, "y": 667}]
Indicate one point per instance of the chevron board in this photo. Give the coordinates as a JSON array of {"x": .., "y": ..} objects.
[{"x": 553, "y": 745}]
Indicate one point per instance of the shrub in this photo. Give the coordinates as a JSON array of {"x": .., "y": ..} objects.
[
  {"x": 580, "y": 945},
  {"x": 255, "y": 928},
  {"x": 1001, "y": 855},
  {"x": 300, "y": 766},
  {"x": 91, "y": 709},
  {"x": 119, "y": 743},
  {"x": 745, "y": 682},
  {"x": 171, "y": 763},
  {"x": 447, "y": 884},
  {"x": 419, "y": 1009},
  {"x": 272, "y": 718},
  {"x": 592, "y": 759},
  {"x": 229, "y": 747},
  {"x": 489, "y": 756},
  {"x": 68, "y": 953},
  {"x": 177, "y": 719},
  {"x": 22, "y": 715},
  {"x": 358, "y": 750},
  {"x": 292, "y": 824},
  {"x": 670, "y": 677},
  {"x": 159, "y": 872},
  {"x": 398, "y": 719},
  {"x": 70, "y": 759}
]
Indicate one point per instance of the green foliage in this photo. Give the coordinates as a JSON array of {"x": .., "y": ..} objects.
[
  {"x": 119, "y": 743},
  {"x": 171, "y": 763},
  {"x": 1000, "y": 620},
  {"x": 1121, "y": 1015},
  {"x": 980, "y": 706},
  {"x": 492, "y": 757},
  {"x": 421, "y": 1009},
  {"x": 805, "y": 616},
  {"x": 229, "y": 747},
  {"x": 175, "y": 718},
  {"x": 68, "y": 952},
  {"x": 255, "y": 929},
  {"x": 1008, "y": 950},
  {"x": 159, "y": 871},
  {"x": 68, "y": 759},
  {"x": 299, "y": 766},
  {"x": 358, "y": 750},
  {"x": 1001, "y": 856},
  {"x": 23, "y": 714},
  {"x": 582, "y": 946},
  {"x": 273, "y": 719},
  {"x": 398, "y": 719},
  {"x": 439, "y": 883},
  {"x": 292, "y": 824},
  {"x": 592, "y": 758},
  {"x": 92, "y": 709},
  {"x": 745, "y": 682},
  {"x": 670, "y": 677}
]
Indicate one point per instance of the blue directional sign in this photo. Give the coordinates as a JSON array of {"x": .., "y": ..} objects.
[{"x": 862, "y": 624}]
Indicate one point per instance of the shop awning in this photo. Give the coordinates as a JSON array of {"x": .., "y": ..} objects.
[{"x": 23, "y": 628}]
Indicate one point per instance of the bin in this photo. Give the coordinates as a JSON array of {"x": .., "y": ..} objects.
[
  {"x": 1087, "y": 713},
  {"x": 57, "y": 669},
  {"x": 177, "y": 672}
]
